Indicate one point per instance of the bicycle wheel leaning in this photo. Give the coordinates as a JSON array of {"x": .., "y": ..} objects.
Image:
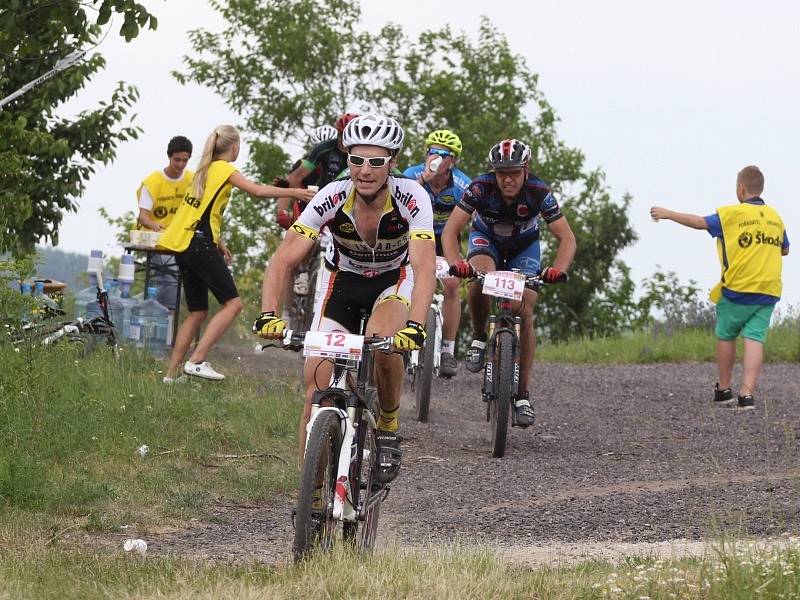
[
  {"x": 314, "y": 525},
  {"x": 424, "y": 370},
  {"x": 500, "y": 404}
]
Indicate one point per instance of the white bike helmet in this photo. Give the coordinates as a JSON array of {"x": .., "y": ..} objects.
[
  {"x": 323, "y": 133},
  {"x": 374, "y": 130}
]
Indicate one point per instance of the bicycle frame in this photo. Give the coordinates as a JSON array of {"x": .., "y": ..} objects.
[
  {"x": 349, "y": 406},
  {"x": 506, "y": 321},
  {"x": 344, "y": 499}
]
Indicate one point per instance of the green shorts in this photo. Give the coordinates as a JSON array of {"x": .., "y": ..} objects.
[{"x": 748, "y": 320}]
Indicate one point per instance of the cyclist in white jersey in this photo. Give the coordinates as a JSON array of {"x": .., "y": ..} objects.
[{"x": 382, "y": 229}]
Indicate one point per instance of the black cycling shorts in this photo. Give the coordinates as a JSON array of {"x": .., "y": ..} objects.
[{"x": 346, "y": 297}]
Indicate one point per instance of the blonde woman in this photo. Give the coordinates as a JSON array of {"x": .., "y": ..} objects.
[{"x": 194, "y": 234}]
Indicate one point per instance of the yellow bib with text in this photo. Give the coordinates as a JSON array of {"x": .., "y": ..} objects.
[
  {"x": 167, "y": 195},
  {"x": 750, "y": 250},
  {"x": 191, "y": 210}
]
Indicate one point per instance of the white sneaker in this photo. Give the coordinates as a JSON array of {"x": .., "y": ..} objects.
[
  {"x": 203, "y": 370},
  {"x": 178, "y": 379}
]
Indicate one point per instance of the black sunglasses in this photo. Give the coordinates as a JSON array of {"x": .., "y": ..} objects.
[{"x": 374, "y": 161}]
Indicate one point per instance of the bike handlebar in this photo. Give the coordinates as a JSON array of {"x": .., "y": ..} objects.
[
  {"x": 294, "y": 340},
  {"x": 532, "y": 282}
]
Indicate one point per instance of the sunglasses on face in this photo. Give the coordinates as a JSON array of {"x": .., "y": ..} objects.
[
  {"x": 374, "y": 161},
  {"x": 508, "y": 174},
  {"x": 439, "y": 152}
]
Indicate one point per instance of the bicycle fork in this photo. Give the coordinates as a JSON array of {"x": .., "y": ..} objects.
[{"x": 343, "y": 505}]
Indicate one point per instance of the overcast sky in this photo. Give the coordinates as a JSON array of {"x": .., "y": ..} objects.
[{"x": 671, "y": 100}]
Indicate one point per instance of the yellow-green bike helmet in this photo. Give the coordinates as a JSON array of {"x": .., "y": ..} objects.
[{"x": 446, "y": 138}]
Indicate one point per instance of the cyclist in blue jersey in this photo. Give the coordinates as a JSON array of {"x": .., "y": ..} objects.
[
  {"x": 505, "y": 206},
  {"x": 445, "y": 184}
]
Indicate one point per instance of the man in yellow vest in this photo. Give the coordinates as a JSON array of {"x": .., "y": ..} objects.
[
  {"x": 158, "y": 198},
  {"x": 751, "y": 241}
]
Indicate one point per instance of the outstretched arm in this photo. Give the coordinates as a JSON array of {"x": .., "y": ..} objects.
[
  {"x": 693, "y": 221},
  {"x": 267, "y": 191}
]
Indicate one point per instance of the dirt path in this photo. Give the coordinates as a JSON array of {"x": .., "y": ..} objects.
[{"x": 623, "y": 456}]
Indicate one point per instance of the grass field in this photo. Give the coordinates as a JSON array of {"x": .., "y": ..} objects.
[
  {"x": 72, "y": 432},
  {"x": 726, "y": 571},
  {"x": 684, "y": 345}
]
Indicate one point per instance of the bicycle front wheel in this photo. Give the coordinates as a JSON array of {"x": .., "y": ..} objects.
[
  {"x": 314, "y": 525},
  {"x": 500, "y": 404},
  {"x": 364, "y": 531},
  {"x": 424, "y": 372}
]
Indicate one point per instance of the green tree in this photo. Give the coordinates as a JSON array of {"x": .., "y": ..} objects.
[
  {"x": 46, "y": 160},
  {"x": 289, "y": 64}
]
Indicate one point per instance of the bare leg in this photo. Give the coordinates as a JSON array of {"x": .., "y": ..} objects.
[
  {"x": 451, "y": 309},
  {"x": 218, "y": 325},
  {"x": 726, "y": 355},
  {"x": 387, "y": 318},
  {"x": 183, "y": 339},
  {"x": 753, "y": 359},
  {"x": 527, "y": 338},
  {"x": 479, "y": 304}
]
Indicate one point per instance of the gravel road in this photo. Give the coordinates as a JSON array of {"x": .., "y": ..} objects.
[{"x": 620, "y": 455}]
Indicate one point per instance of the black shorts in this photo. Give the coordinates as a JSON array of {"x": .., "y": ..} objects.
[
  {"x": 347, "y": 297},
  {"x": 203, "y": 269}
]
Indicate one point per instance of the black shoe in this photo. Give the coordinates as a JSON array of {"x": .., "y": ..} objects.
[
  {"x": 746, "y": 402},
  {"x": 448, "y": 366},
  {"x": 722, "y": 397},
  {"x": 390, "y": 455},
  {"x": 523, "y": 409},
  {"x": 475, "y": 356}
]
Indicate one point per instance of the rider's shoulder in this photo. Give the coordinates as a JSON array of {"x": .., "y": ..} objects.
[
  {"x": 414, "y": 170},
  {"x": 323, "y": 148},
  {"x": 535, "y": 182},
  {"x": 461, "y": 179},
  {"x": 482, "y": 185}
]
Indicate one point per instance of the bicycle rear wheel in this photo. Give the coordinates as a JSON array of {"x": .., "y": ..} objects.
[
  {"x": 314, "y": 525},
  {"x": 499, "y": 405},
  {"x": 423, "y": 377}
]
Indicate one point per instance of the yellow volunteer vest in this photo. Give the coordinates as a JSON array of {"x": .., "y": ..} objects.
[
  {"x": 167, "y": 195},
  {"x": 216, "y": 195},
  {"x": 750, "y": 250}
]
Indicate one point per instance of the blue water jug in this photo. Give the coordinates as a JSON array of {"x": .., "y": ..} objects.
[{"x": 149, "y": 324}]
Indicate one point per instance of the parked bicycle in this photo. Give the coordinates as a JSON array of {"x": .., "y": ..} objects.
[
  {"x": 81, "y": 331},
  {"x": 424, "y": 364},
  {"x": 501, "y": 370},
  {"x": 339, "y": 496}
]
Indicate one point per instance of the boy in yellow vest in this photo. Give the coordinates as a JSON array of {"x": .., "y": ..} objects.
[
  {"x": 751, "y": 241},
  {"x": 158, "y": 198}
]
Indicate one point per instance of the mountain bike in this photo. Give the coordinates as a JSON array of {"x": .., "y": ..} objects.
[
  {"x": 84, "y": 332},
  {"x": 339, "y": 497},
  {"x": 501, "y": 369},
  {"x": 424, "y": 364}
]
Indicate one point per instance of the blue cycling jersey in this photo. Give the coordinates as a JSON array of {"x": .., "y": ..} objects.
[
  {"x": 509, "y": 225},
  {"x": 443, "y": 202}
]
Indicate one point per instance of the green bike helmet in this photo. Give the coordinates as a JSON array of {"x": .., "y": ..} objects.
[{"x": 446, "y": 138}]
